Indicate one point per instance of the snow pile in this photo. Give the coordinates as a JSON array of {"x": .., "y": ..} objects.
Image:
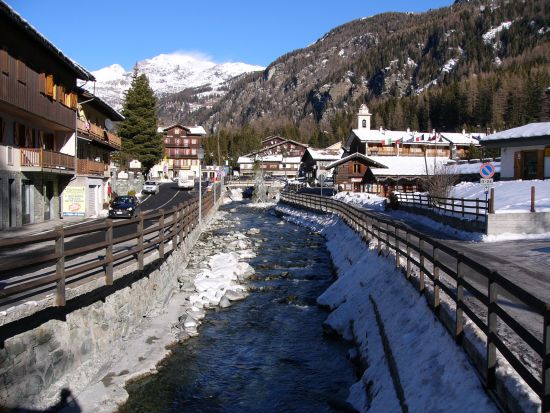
[
  {"x": 369, "y": 201},
  {"x": 510, "y": 196},
  {"x": 490, "y": 35},
  {"x": 434, "y": 372}
]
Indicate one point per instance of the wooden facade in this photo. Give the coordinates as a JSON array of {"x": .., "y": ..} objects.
[{"x": 181, "y": 145}]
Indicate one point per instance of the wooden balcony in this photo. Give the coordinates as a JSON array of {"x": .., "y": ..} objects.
[
  {"x": 114, "y": 140},
  {"x": 39, "y": 159},
  {"x": 23, "y": 90},
  {"x": 98, "y": 134},
  {"x": 88, "y": 167}
]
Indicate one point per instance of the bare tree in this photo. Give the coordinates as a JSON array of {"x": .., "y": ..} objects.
[{"x": 439, "y": 179}]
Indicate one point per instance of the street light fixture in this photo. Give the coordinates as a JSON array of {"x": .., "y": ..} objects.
[{"x": 200, "y": 155}]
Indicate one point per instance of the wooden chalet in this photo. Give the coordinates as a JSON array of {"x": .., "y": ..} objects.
[
  {"x": 181, "y": 144},
  {"x": 314, "y": 161},
  {"x": 96, "y": 140},
  {"x": 279, "y": 157},
  {"x": 525, "y": 151},
  {"x": 38, "y": 103}
]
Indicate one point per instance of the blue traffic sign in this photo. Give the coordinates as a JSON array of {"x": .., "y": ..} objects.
[{"x": 487, "y": 170}]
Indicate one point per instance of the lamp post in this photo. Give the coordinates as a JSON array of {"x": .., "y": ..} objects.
[{"x": 200, "y": 155}]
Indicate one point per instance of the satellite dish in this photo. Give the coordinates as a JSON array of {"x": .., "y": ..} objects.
[{"x": 109, "y": 124}]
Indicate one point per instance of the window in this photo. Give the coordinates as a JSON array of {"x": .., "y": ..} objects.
[
  {"x": 178, "y": 141},
  {"x": 4, "y": 62},
  {"x": 166, "y": 141},
  {"x": 193, "y": 141},
  {"x": 177, "y": 131},
  {"x": 186, "y": 142},
  {"x": 193, "y": 151},
  {"x": 356, "y": 168}
]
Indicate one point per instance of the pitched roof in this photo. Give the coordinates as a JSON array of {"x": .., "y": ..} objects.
[
  {"x": 325, "y": 154},
  {"x": 358, "y": 156},
  {"x": 194, "y": 130},
  {"x": 531, "y": 130},
  {"x": 40, "y": 38},
  {"x": 103, "y": 106},
  {"x": 405, "y": 165}
]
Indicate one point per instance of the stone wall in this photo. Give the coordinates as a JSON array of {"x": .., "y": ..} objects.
[
  {"x": 37, "y": 364},
  {"x": 520, "y": 223}
]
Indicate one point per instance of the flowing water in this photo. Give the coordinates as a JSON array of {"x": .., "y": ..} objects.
[{"x": 267, "y": 353}]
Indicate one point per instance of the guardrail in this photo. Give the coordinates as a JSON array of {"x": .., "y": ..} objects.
[
  {"x": 35, "y": 264},
  {"x": 471, "y": 290},
  {"x": 455, "y": 207}
]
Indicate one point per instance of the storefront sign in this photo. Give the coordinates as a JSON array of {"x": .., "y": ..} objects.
[{"x": 74, "y": 201}]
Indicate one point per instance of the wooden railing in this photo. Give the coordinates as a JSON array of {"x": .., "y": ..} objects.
[
  {"x": 457, "y": 207},
  {"x": 49, "y": 261},
  {"x": 99, "y": 134},
  {"x": 455, "y": 283},
  {"x": 114, "y": 140},
  {"x": 37, "y": 157},
  {"x": 88, "y": 167}
]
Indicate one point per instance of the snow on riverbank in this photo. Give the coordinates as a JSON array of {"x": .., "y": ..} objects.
[
  {"x": 435, "y": 373},
  {"x": 214, "y": 276}
]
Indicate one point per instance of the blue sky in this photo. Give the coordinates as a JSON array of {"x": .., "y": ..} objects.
[{"x": 98, "y": 33}]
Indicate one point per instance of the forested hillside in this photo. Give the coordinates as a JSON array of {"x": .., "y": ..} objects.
[{"x": 477, "y": 65}]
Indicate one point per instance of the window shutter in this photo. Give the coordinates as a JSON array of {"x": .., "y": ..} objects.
[
  {"x": 49, "y": 86},
  {"x": 4, "y": 62},
  {"x": 21, "y": 72},
  {"x": 42, "y": 83}
]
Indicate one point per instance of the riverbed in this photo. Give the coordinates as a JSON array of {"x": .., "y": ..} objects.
[{"x": 268, "y": 352}]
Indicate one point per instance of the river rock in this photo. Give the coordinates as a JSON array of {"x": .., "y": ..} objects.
[
  {"x": 224, "y": 302},
  {"x": 244, "y": 270},
  {"x": 253, "y": 231},
  {"x": 235, "y": 295}
]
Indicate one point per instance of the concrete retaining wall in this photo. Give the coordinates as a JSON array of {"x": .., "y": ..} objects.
[
  {"x": 526, "y": 223},
  {"x": 35, "y": 364}
]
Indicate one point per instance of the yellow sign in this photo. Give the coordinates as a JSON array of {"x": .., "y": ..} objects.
[{"x": 74, "y": 201}]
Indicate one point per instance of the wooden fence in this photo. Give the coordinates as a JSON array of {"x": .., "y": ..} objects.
[
  {"x": 37, "y": 264},
  {"x": 456, "y": 207},
  {"x": 471, "y": 290}
]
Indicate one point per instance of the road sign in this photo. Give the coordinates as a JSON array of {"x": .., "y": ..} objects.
[
  {"x": 487, "y": 170},
  {"x": 486, "y": 183}
]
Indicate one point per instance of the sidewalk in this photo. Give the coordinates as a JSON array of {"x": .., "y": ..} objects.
[{"x": 32, "y": 229}]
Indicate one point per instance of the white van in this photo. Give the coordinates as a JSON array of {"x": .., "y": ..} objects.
[{"x": 186, "y": 180}]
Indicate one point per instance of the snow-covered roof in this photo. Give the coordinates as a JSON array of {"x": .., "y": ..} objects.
[
  {"x": 470, "y": 168},
  {"x": 356, "y": 155},
  {"x": 462, "y": 138},
  {"x": 377, "y": 135},
  {"x": 270, "y": 158},
  {"x": 531, "y": 130},
  {"x": 245, "y": 159},
  {"x": 33, "y": 32},
  {"x": 325, "y": 154},
  {"x": 405, "y": 165},
  {"x": 196, "y": 130}
]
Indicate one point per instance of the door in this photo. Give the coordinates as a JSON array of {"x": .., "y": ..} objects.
[
  {"x": 530, "y": 162},
  {"x": 92, "y": 197},
  {"x": 48, "y": 200},
  {"x": 26, "y": 202}
]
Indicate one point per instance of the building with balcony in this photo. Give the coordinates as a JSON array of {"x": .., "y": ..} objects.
[
  {"x": 38, "y": 102},
  {"x": 180, "y": 150},
  {"x": 279, "y": 157},
  {"x": 95, "y": 141}
]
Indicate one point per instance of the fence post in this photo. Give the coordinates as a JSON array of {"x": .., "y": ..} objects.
[
  {"x": 387, "y": 240},
  {"x": 462, "y": 207},
  {"x": 545, "y": 397},
  {"x": 109, "y": 253},
  {"x": 174, "y": 229},
  {"x": 140, "y": 242},
  {"x": 491, "y": 331},
  {"x": 436, "y": 281},
  {"x": 161, "y": 233},
  {"x": 459, "y": 316},
  {"x": 492, "y": 202},
  {"x": 408, "y": 239},
  {"x": 181, "y": 216},
  {"x": 532, "y": 199},
  {"x": 477, "y": 208},
  {"x": 60, "y": 266},
  {"x": 396, "y": 248},
  {"x": 422, "y": 283}
]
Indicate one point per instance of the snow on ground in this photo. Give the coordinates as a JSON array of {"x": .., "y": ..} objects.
[
  {"x": 510, "y": 197},
  {"x": 435, "y": 373}
]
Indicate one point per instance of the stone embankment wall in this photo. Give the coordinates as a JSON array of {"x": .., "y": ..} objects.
[{"x": 37, "y": 364}]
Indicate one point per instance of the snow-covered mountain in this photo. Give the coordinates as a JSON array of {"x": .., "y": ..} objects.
[{"x": 167, "y": 73}]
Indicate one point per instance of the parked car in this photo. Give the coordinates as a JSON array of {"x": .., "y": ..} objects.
[
  {"x": 150, "y": 187},
  {"x": 124, "y": 206}
]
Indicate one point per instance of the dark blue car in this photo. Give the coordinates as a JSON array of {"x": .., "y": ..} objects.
[{"x": 126, "y": 206}]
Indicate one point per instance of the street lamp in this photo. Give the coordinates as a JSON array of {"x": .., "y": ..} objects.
[{"x": 200, "y": 155}]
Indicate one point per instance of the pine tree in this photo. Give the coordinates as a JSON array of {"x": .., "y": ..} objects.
[{"x": 140, "y": 139}]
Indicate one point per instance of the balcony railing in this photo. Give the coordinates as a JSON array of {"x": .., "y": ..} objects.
[
  {"x": 88, "y": 167},
  {"x": 99, "y": 134},
  {"x": 40, "y": 158}
]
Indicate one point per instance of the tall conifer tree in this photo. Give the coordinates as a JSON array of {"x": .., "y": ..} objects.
[{"x": 140, "y": 139}]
